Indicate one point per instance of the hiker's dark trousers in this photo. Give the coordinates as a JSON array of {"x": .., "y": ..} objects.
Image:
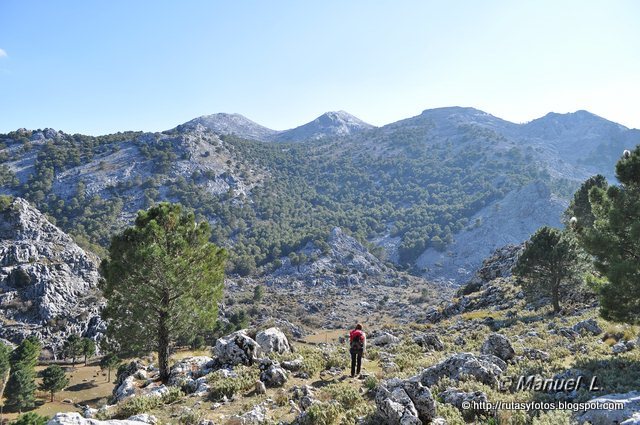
[{"x": 356, "y": 362}]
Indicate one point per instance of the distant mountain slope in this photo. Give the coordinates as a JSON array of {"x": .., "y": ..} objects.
[{"x": 433, "y": 193}]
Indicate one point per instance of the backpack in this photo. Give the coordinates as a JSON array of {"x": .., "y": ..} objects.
[{"x": 357, "y": 341}]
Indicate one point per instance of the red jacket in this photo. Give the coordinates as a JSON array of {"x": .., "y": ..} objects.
[
  {"x": 354, "y": 333},
  {"x": 359, "y": 333}
]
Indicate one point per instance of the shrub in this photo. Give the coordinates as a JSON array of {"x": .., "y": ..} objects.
[
  {"x": 191, "y": 417},
  {"x": 370, "y": 382},
  {"x": 137, "y": 405},
  {"x": 450, "y": 413},
  {"x": 221, "y": 386},
  {"x": 322, "y": 414},
  {"x": 345, "y": 394},
  {"x": 173, "y": 395},
  {"x": 553, "y": 417}
]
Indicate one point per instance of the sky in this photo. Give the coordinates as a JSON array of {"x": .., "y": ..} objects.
[{"x": 98, "y": 67}]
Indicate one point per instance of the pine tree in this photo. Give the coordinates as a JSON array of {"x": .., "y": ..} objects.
[
  {"x": 53, "y": 380},
  {"x": 72, "y": 348},
  {"x": 163, "y": 280},
  {"x": 21, "y": 386},
  {"x": 614, "y": 240},
  {"x": 109, "y": 362},
  {"x": 549, "y": 265},
  {"x": 580, "y": 207},
  {"x": 88, "y": 348},
  {"x": 5, "y": 367},
  {"x": 31, "y": 418}
]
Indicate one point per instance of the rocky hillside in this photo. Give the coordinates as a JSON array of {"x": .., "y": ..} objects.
[
  {"x": 334, "y": 285},
  {"x": 48, "y": 285},
  {"x": 436, "y": 193}
]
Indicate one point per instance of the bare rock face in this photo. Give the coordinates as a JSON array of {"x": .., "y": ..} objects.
[
  {"x": 484, "y": 368},
  {"x": 460, "y": 398},
  {"x": 273, "y": 340},
  {"x": 510, "y": 220},
  {"x": 403, "y": 402},
  {"x": 629, "y": 414},
  {"x": 237, "y": 348},
  {"x": 48, "y": 284}
]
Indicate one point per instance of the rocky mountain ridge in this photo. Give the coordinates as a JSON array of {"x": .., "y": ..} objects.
[
  {"x": 329, "y": 124},
  {"x": 437, "y": 192}
]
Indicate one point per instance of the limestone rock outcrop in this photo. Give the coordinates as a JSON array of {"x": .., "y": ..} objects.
[{"x": 48, "y": 284}]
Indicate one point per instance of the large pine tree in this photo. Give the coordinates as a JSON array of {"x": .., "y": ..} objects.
[
  {"x": 550, "y": 265},
  {"x": 614, "y": 240},
  {"x": 21, "y": 387},
  {"x": 163, "y": 279}
]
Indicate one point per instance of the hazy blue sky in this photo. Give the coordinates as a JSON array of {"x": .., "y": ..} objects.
[{"x": 102, "y": 66}]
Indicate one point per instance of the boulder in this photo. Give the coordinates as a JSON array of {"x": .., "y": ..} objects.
[
  {"x": 187, "y": 370},
  {"x": 535, "y": 354},
  {"x": 273, "y": 375},
  {"x": 255, "y": 416},
  {"x": 126, "y": 389},
  {"x": 457, "y": 397},
  {"x": 273, "y": 340},
  {"x": 405, "y": 402},
  {"x": 588, "y": 326},
  {"x": 237, "y": 348},
  {"x": 627, "y": 415},
  {"x": 429, "y": 340},
  {"x": 74, "y": 418},
  {"x": 385, "y": 338},
  {"x": 568, "y": 333},
  {"x": 484, "y": 368},
  {"x": 499, "y": 346},
  {"x": 125, "y": 382},
  {"x": 619, "y": 348},
  {"x": 144, "y": 418},
  {"x": 293, "y": 365},
  {"x": 304, "y": 396}
]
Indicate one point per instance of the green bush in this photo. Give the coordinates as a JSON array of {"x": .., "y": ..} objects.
[
  {"x": 30, "y": 418},
  {"x": 450, "y": 413},
  {"x": 173, "y": 395},
  {"x": 553, "y": 417},
  {"x": 137, "y": 405},
  {"x": 192, "y": 417},
  {"x": 222, "y": 386},
  {"x": 370, "y": 382},
  {"x": 347, "y": 395},
  {"x": 323, "y": 414}
]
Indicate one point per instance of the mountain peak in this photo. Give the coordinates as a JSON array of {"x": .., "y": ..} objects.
[
  {"x": 555, "y": 121},
  {"x": 332, "y": 123},
  {"x": 226, "y": 123}
]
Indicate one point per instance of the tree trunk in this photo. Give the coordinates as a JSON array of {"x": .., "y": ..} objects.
[
  {"x": 85, "y": 360},
  {"x": 109, "y": 375},
  {"x": 51, "y": 396},
  {"x": 163, "y": 348},
  {"x": 555, "y": 298}
]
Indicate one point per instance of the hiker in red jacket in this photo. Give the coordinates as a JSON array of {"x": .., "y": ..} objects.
[{"x": 357, "y": 347}]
